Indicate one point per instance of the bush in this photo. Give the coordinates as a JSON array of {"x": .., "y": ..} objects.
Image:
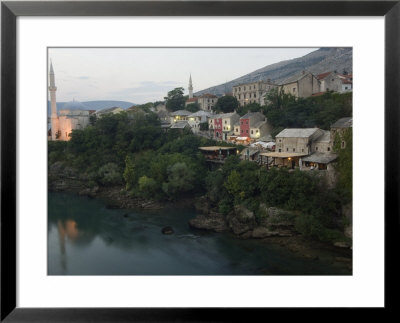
[
  {"x": 147, "y": 187},
  {"x": 309, "y": 226},
  {"x": 109, "y": 174}
]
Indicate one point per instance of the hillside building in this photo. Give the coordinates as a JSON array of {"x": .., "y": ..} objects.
[
  {"x": 253, "y": 125},
  {"x": 253, "y": 92},
  {"x": 301, "y": 85}
]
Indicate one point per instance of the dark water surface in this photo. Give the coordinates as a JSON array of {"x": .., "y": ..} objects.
[{"x": 86, "y": 238}]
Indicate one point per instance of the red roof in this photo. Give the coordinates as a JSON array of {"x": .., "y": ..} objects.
[
  {"x": 323, "y": 75},
  {"x": 192, "y": 100},
  {"x": 318, "y": 94},
  {"x": 208, "y": 95}
]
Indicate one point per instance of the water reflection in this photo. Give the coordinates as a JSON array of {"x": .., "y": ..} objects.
[{"x": 85, "y": 238}]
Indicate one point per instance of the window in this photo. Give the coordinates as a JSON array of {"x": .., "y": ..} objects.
[
  {"x": 294, "y": 149},
  {"x": 302, "y": 150},
  {"x": 280, "y": 140},
  {"x": 252, "y": 132},
  {"x": 316, "y": 148},
  {"x": 280, "y": 150},
  {"x": 247, "y": 131},
  {"x": 247, "y": 122},
  {"x": 329, "y": 148},
  {"x": 294, "y": 90},
  {"x": 256, "y": 131},
  {"x": 225, "y": 121},
  {"x": 343, "y": 144},
  {"x": 287, "y": 149},
  {"x": 254, "y": 95}
]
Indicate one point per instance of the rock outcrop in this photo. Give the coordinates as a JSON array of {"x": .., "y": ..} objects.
[{"x": 212, "y": 221}]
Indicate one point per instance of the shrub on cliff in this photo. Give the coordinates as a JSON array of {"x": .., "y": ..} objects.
[{"x": 109, "y": 174}]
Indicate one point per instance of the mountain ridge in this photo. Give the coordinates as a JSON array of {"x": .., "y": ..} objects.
[{"x": 322, "y": 60}]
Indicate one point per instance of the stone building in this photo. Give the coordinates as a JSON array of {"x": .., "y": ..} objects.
[
  {"x": 253, "y": 92},
  {"x": 339, "y": 128},
  {"x": 222, "y": 125},
  {"x": 330, "y": 81},
  {"x": 297, "y": 140},
  {"x": 180, "y": 115},
  {"x": 322, "y": 144},
  {"x": 301, "y": 85},
  {"x": 253, "y": 125},
  {"x": 197, "y": 118}
]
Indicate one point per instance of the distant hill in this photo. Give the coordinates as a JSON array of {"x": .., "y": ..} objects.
[
  {"x": 317, "y": 62},
  {"x": 95, "y": 105}
]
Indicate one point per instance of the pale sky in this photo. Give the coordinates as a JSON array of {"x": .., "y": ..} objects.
[{"x": 141, "y": 75}]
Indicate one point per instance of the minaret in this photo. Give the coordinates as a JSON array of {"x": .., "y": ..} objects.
[
  {"x": 54, "y": 116},
  {"x": 190, "y": 87}
]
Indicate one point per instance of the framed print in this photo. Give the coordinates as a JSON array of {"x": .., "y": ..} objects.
[{"x": 114, "y": 251}]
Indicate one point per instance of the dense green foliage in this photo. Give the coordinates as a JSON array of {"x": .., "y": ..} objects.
[
  {"x": 252, "y": 107},
  {"x": 131, "y": 149},
  {"x": 226, "y": 104},
  {"x": 193, "y": 107},
  {"x": 175, "y": 100},
  {"x": 343, "y": 146},
  {"x": 285, "y": 111}
]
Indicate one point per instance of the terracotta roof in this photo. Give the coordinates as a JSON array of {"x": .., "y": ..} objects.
[
  {"x": 318, "y": 94},
  {"x": 323, "y": 75},
  {"x": 192, "y": 99},
  {"x": 208, "y": 95}
]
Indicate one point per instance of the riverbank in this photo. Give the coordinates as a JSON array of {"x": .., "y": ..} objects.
[{"x": 275, "y": 227}]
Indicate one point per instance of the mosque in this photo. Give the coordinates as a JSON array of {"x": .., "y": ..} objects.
[{"x": 73, "y": 115}]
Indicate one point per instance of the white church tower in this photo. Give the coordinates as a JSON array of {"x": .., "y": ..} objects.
[
  {"x": 54, "y": 116},
  {"x": 190, "y": 88}
]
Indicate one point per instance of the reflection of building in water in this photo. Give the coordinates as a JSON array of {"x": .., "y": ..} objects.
[{"x": 66, "y": 229}]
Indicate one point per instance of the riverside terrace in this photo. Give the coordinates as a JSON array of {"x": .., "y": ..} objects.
[{"x": 218, "y": 154}]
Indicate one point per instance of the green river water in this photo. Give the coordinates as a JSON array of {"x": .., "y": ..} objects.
[{"x": 86, "y": 238}]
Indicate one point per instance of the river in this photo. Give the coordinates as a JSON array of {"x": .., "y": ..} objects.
[{"x": 86, "y": 238}]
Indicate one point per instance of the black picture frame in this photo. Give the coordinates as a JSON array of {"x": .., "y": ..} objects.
[{"x": 10, "y": 10}]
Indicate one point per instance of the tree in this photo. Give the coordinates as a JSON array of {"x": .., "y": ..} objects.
[
  {"x": 252, "y": 107},
  {"x": 181, "y": 179},
  {"x": 92, "y": 119},
  {"x": 278, "y": 99},
  {"x": 147, "y": 186},
  {"x": 129, "y": 173},
  {"x": 109, "y": 174},
  {"x": 233, "y": 185},
  {"x": 175, "y": 99},
  {"x": 193, "y": 107},
  {"x": 226, "y": 104}
]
